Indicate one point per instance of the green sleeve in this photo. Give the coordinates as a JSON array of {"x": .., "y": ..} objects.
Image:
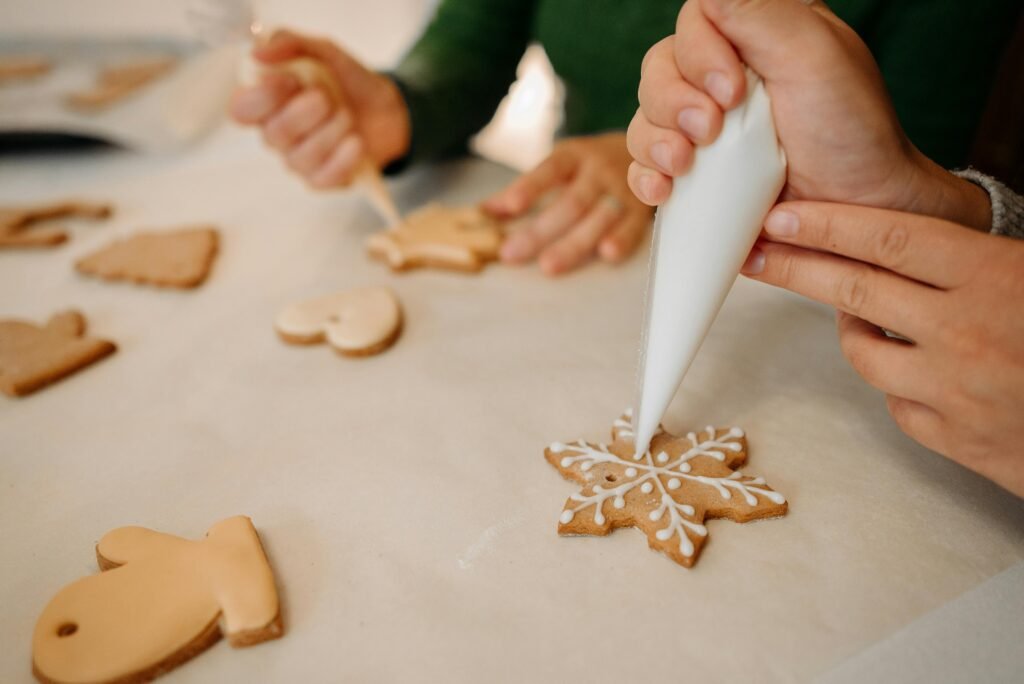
[
  {"x": 939, "y": 59},
  {"x": 456, "y": 74}
]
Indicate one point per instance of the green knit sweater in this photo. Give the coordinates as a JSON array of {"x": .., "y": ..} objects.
[{"x": 938, "y": 58}]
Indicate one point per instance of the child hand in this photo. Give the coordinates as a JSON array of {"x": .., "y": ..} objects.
[
  {"x": 319, "y": 138},
  {"x": 593, "y": 213}
]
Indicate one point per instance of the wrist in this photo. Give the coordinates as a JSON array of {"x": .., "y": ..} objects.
[
  {"x": 392, "y": 127},
  {"x": 939, "y": 193}
]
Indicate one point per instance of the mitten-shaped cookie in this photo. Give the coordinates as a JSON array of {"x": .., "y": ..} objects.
[
  {"x": 159, "y": 601},
  {"x": 357, "y": 322},
  {"x": 33, "y": 356}
]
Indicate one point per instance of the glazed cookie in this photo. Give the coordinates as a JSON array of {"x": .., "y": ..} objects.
[
  {"x": 159, "y": 601},
  {"x": 16, "y": 222},
  {"x": 357, "y": 322},
  {"x": 115, "y": 83},
  {"x": 460, "y": 239},
  {"x": 667, "y": 493},
  {"x": 176, "y": 258},
  {"x": 32, "y": 357}
]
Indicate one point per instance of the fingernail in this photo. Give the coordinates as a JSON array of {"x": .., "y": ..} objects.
[
  {"x": 718, "y": 86},
  {"x": 609, "y": 250},
  {"x": 661, "y": 153},
  {"x": 694, "y": 123},
  {"x": 515, "y": 249},
  {"x": 782, "y": 224},
  {"x": 646, "y": 186},
  {"x": 754, "y": 263}
]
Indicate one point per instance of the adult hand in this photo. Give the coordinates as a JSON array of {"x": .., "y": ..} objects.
[
  {"x": 842, "y": 139},
  {"x": 319, "y": 138},
  {"x": 958, "y": 387},
  {"x": 593, "y": 213}
]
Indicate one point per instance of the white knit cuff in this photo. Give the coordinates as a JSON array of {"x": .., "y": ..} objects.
[{"x": 1007, "y": 206}]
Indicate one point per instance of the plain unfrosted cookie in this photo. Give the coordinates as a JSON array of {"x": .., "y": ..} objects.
[
  {"x": 357, "y": 322},
  {"x": 174, "y": 258},
  {"x": 23, "y": 67},
  {"x": 114, "y": 83},
  {"x": 667, "y": 493},
  {"x": 460, "y": 239},
  {"x": 159, "y": 601},
  {"x": 32, "y": 357},
  {"x": 18, "y": 225}
]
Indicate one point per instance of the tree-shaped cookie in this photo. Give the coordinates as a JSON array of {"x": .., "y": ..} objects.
[
  {"x": 32, "y": 356},
  {"x": 17, "y": 223},
  {"x": 667, "y": 493},
  {"x": 159, "y": 601},
  {"x": 460, "y": 239},
  {"x": 174, "y": 258},
  {"x": 358, "y": 322}
]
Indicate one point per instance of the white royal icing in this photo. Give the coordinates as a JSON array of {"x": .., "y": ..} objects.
[{"x": 650, "y": 472}]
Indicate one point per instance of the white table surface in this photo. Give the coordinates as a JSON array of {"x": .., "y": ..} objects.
[{"x": 404, "y": 499}]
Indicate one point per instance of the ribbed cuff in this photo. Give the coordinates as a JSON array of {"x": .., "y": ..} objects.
[{"x": 1007, "y": 206}]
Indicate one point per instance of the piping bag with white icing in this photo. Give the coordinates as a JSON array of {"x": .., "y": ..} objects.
[{"x": 702, "y": 236}]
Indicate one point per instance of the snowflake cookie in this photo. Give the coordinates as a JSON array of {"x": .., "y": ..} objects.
[{"x": 667, "y": 493}]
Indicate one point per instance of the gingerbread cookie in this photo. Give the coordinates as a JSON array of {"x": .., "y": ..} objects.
[
  {"x": 32, "y": 357},
  {"x": 23, "y": 67},
  {"x": 159, "y": 601},
  {"x": 115, "y": 83},
  {"x": 667, "y": 493},
  {"x": 16, "y": 222},
  {"x": 175, "y": 258},
  {"x": 357, "y": 322},
  {"x": 460, "y": 239}
]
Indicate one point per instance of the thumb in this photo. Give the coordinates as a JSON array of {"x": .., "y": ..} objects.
[{"x": 775, "y": 37}]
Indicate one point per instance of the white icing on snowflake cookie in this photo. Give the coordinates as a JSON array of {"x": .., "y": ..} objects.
[
  {"x": 668, "y": 492},
  {"x": 357, "y": 322}
]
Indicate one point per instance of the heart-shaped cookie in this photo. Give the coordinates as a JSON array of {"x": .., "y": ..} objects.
[{"x": 358, "y": 322}]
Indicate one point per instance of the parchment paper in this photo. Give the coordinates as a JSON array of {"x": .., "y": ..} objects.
[{"x": 404, "y": 499}]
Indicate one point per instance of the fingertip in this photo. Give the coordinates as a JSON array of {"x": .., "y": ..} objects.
[
  {"x": 721, "y": 88},
  {"x": 754, "y": 265},
  {"x": 649, "y": 186},
  {"x": 611, "y": 250},
  {"x": 516, "y": 249},
  {"x": 551, "y": 265}
]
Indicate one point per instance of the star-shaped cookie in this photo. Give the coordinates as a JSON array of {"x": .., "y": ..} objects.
[{"x": 667, "y": 493}]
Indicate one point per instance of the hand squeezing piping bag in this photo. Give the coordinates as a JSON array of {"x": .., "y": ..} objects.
[{"x": 702, "y": 236}]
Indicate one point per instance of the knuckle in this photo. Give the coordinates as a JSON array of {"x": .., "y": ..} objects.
[
  {"x": 853, "y": 291},
  {"x": 891, "y": 246},
  {"x": 787, "y": 270}
]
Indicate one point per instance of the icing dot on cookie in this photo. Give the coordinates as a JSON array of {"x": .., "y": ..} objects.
[
  {"x": 646, "y": 488},
  {"x": 665, "y": 534},
  {"x": 619, "y": 502},
  {"x": 557, "y": 448},
  {"x": 662, "y": 457},
  {"x": 674, "y": 483},
  {"x": 566, "y": 517},
  {"x": 630, "y": 472}
]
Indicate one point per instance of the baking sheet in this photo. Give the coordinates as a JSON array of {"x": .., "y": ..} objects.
[
  {"x": 167, "y": 113},
  {"x": 404, "y": 499}
]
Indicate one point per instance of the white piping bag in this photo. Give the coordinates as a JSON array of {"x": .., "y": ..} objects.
[{"x": 702, "y": 236}]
